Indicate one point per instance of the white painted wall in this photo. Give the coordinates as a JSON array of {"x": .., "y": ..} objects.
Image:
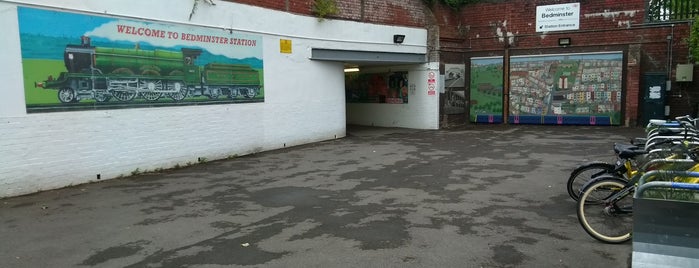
[{"x": 304, "y": 99}]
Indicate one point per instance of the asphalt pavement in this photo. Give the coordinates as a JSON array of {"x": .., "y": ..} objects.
[{"x": 474, "y": 196}]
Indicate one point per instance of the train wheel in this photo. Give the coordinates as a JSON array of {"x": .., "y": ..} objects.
[
  {"x": 151, "y": 96},
  {"x": 66, "y": 95},
  {"x": 232, "y": 93},
  {"x": 248, "y": 92},
  {"x": 179, "y": 88},
  {"x": 102, "y": 96},
  {"x": 151, "y": 89},
  {"x": 124, "y": 95},
  {"x": 214, "y": 93}
]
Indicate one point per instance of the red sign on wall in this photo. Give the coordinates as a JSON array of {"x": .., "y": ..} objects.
[{"x": 431, "y": 84}]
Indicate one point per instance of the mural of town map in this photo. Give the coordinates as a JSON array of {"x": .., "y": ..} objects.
[{"x": 579, "y": 89}]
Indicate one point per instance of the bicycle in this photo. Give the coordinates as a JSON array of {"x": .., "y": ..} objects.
[
  {"x": 585, "y": 172},
  {"x": 605, "y": 207},
  {"x": 628, "y": 157},
  {"x": 659, "y": 133}
]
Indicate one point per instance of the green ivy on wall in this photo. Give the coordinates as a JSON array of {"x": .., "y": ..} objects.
[
  {"x": 694, "y": 40},
  {"x": 323, "y": 8}
]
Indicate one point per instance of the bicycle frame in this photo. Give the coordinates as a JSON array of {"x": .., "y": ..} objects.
[{"x": 630, "y": 186}]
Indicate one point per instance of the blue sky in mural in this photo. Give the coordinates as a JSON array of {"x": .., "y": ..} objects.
[
  {"x": 523, "y": 58},
  {"x": 58, "y": 24},
  {"x": 592, "y": 56},
  {"x": 50, "y": 31},
  {"x": 486, "y": 61}
]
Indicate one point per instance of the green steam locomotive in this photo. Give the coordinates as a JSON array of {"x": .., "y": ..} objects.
[{"x": 100, "y": 73}]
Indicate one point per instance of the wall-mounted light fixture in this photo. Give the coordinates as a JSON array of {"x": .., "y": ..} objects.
[
  {"x": 351, "y": 70},
  {"x": 398, "y": 38},
  {"x": 564, "y": 42}
]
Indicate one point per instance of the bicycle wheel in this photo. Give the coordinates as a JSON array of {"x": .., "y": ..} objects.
[
  {"x": 606, "y": 221},
  {"x": 583, "y": 173}
]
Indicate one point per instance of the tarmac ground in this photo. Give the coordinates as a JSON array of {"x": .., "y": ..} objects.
[{"x": 475, "y": 196}]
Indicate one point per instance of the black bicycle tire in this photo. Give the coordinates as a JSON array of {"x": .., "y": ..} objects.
[{"x": 575, "y": 178}]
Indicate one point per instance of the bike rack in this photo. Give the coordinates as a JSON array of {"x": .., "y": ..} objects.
[{"x": 665, "y": 232}]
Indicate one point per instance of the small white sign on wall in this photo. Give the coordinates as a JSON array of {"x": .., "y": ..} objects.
[
  {"x": 560, "y": 17},
  {"x": 654, "y": 93}
]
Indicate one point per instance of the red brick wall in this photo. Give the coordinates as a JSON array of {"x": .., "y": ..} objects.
[
  {"x": 391, "y": 12},
  {"x": 351, "y": 9},
  {"x": 609, "y": 25},
  {"x": 271, "y": 4},
  {"x": 406, "y": 13},
  {"x": 481, "y": 30}
]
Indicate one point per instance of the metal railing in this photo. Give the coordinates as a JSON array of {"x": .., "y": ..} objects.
[{"x": 671, "y": 10}]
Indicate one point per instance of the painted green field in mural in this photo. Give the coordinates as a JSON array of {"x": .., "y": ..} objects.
[
  {"x": 486, "y": 90},
  {"x": 488, "y": 104},
  {"x": 36, "y": 95}
]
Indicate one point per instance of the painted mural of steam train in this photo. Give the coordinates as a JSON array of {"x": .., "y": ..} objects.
[{"x": 100, "y": 73}]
